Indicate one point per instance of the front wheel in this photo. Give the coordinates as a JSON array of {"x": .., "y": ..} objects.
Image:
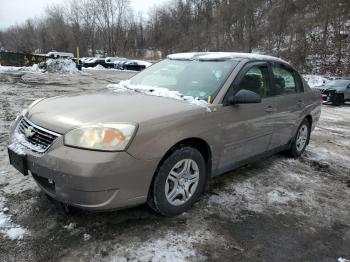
[
  {"x": 301, "y": 139},
  {"x": 338, "y": 100},
  {"x": 178, "y": 183}
]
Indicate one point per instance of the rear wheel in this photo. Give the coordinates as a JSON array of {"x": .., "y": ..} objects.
[
  {"x": 300, "y": 140},
  {"x": 178, "y": 183}
]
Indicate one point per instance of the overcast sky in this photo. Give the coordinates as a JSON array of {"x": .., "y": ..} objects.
[{"x": 17, "y": 11}]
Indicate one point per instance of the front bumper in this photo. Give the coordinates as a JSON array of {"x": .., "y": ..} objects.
[{"x": 91, "y": 179}]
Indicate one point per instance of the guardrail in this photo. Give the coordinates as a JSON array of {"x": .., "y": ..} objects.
[{"x": 20, "y": 59}]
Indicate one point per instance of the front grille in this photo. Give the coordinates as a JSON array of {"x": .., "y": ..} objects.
[{"x": 34, "y": 137}]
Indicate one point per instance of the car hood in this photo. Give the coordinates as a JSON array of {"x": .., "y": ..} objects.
[
  {"x": 63, "y": 113},
  {"x": 337, "y": 88}
]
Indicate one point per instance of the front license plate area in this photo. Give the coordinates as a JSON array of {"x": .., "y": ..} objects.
[{"x": 18, "y": 161}]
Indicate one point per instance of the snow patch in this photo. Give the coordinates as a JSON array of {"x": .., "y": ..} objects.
[
  {"x": 281, "y": 196},
  {"x": 158, "y": 91},
  {"x": 99, "y": 67},
  {"x": 343, "y": 260},
  {"x": 19, "y": 143},
  {"x": 315, "y": 81},
  {"x": 7, "y": 227},
  {"x": 18, "y": 148},
  {"x": 70, "y": 226},
  {"x": 87, "y": 237},
  {"x": 33, "y": 68},
  {"x": 62, "y": 66},
  {"x": 172, "y": 247}
]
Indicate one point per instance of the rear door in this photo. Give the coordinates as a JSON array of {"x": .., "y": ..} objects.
[
  {"x": 247, "y": 128},
  {"x": 288, "y": 93}
]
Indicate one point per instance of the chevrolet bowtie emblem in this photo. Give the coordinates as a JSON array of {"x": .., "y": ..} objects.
[{"x": 29, "y": 132}]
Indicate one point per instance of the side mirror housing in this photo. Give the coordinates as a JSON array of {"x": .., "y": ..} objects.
[{"x": 244, "y": 96}]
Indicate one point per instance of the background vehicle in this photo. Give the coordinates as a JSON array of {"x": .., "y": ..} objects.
[
  {"x": 136, "y": 65},
  {"x": 92, "y": 62},
  {"x": 120, "y": 64},
  {"x": 336, "y": 91},
  {"x": 55, "y": 55},
  {"x": 160, "y": 137},
  {"x": 110, "y": 61}
]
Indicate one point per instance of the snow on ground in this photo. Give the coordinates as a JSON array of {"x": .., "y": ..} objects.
[
  {"x": 315, "y": 81},
  {"x": 158, "y": 91},
  {"x": 7, "y": 227},
  {"x": 33, "y": 68},
  {"x": 172, "y": 247},
  {"x": 98, "y": 67}
]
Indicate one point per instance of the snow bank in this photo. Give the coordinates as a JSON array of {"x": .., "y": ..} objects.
[
  {"x": 62, "y": 66},
  {"x": 98, "y": 67},
  {"x": 158, "y": 91},
  {"x": 315, "y": 81},
  {"x": 7, "y": 227},
  {"x": 33, "y": 68}
]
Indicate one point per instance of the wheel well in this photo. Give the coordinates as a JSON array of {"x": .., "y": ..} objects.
[
  {"x": 309, "y": 118},
  {"x": 197, "y": 143}
]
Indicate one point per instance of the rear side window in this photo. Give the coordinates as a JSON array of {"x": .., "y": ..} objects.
[{"x": 286, "y": 81}]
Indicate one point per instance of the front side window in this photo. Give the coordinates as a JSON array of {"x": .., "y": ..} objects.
[
  {"x": 256, "y": 79},
  {"x": 196, "y": 78},
  {"x": 286, "y": 81}
]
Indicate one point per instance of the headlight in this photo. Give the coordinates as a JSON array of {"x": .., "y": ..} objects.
[{"x": 103, "y": 137}]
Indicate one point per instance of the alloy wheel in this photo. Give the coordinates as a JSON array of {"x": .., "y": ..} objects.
[{"x": 302, "y": 137}]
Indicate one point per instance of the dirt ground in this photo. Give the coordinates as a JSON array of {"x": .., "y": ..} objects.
[{"x": 279, "y": 209}]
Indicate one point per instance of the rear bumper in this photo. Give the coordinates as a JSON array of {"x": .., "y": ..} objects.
[{"x": 90, "y": 179}]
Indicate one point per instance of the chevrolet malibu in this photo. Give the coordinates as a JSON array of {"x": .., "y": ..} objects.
[{"x": 161, "y": 136}]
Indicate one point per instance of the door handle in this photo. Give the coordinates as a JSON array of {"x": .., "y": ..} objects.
[{"x": 270, "y": 109}]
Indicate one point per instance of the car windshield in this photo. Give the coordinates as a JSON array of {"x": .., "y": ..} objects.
[
  {"x": 337, "y": 83},
  {"x": 199, "y": 79}
]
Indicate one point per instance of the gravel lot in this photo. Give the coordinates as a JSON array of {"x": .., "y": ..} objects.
[{"x": 279, "y": 209}]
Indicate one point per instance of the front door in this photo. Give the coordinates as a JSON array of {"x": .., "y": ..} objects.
[{"x": 247, "y": 128}]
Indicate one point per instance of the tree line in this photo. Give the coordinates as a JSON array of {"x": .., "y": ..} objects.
[{"x": 313, "y": 35}]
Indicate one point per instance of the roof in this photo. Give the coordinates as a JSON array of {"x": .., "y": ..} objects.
[{"x": 215, "y": 56}]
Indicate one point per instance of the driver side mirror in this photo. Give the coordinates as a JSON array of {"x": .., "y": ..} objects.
[{"x": 244, "y": 96}]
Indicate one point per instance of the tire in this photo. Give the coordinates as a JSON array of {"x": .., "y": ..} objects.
[
  {"x": 338, "y": 100},
  {"x": 299, "y": 144},
  {"x": 167, "y": 195}
]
